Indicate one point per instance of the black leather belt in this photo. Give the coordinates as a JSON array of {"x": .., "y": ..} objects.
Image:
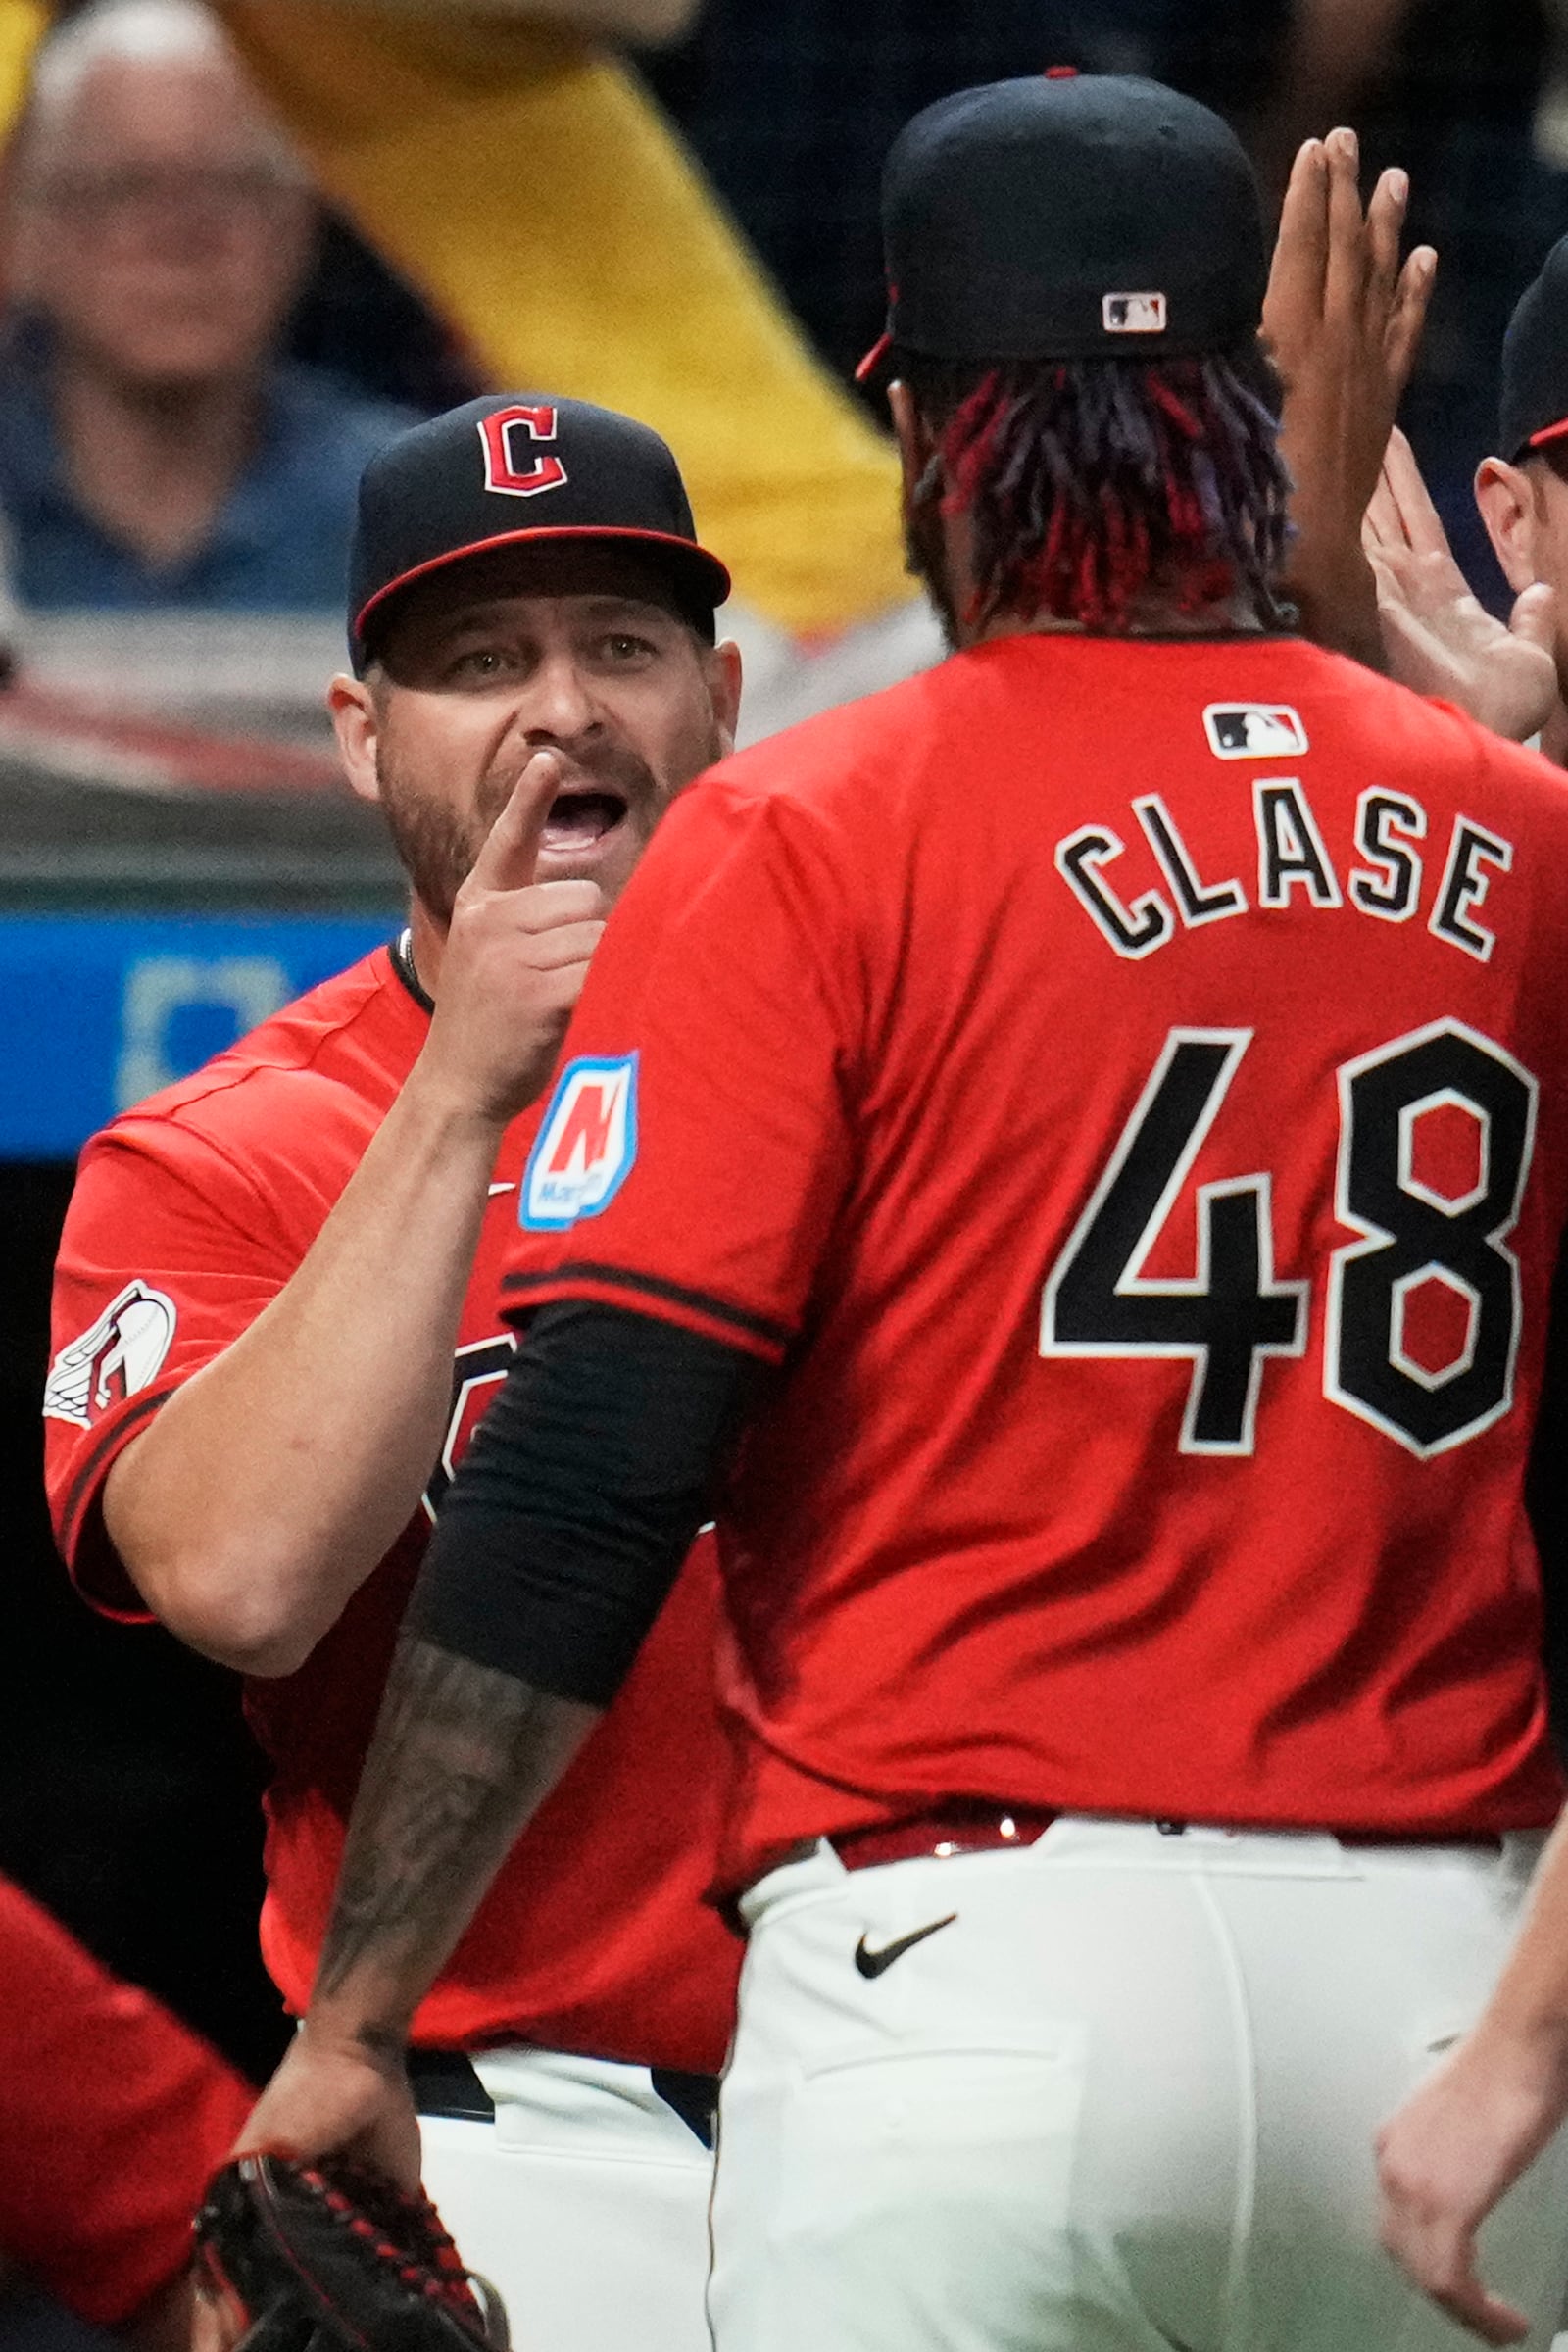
[
  {"x": 447, "y": 2082},
  {"x": 963, "y": 1827}
]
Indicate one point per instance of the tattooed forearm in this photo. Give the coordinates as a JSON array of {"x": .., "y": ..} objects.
[{"x": 461, "y": 1756}]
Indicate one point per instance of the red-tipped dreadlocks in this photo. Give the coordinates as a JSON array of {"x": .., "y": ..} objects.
[{"x": 1088, "y": 484}]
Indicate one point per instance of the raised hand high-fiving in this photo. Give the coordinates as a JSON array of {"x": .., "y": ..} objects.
[
  {"x": 1437, "y": 634},
  {"x": 515, "y": 958},
  {"x": 1342, "y": 319}
]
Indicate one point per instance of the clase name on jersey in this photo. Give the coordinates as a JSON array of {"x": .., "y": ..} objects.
[
  {"x": 1397, "y": 870},
  {"x": 586, "y": 1148}
]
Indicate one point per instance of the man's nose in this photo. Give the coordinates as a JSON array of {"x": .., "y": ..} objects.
[{"x": 557, "y": 706}]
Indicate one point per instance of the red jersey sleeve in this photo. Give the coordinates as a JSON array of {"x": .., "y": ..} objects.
[
  {"x": 111, "y": 2118},
  {"x": 170, "y": 1250},
  {"x": 694, "y": 1156}
]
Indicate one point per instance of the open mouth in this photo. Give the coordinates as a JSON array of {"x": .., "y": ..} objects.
[{"x": 577, "y": 820}]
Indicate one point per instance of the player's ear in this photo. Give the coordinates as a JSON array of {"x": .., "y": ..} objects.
[
  {"x": 915, "y": 441},
  {"x": 356, "y": 723},
  {"x": 1506, "y": 498},
  {"x": 723, "y": 667}
]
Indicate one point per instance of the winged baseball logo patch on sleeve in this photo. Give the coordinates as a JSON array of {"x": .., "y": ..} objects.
[
  {"x": 585, "y": 1151},
  {"x": 120, "y": 1353}
]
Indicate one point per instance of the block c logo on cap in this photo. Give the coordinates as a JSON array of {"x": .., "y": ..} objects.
[
  {"x": 500, "y": 474},
  {"x": 586, "y": 1148}
]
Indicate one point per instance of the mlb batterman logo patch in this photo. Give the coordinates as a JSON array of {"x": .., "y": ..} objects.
[
  {"x": 1133, "y": 314},
  {"x": 584, "y": 1152},
  {"x": 1254, "y": 731}
]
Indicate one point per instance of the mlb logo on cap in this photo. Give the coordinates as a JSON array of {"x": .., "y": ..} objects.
[
  {"x": 1254, "y": 730},
  {"x": 1069, "y": 216},
  {"x": 586, "y": 1148},
  {"x": 1133, "y": 314}
]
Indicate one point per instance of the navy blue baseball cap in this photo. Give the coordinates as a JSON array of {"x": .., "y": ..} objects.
[
  {"x": 1069, "y": 216},
  {"x": 1534, "y": 401},
  {"x": 521, "y": 468}
]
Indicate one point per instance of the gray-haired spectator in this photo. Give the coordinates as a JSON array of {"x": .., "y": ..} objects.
[{"x": 155, "y": 450}]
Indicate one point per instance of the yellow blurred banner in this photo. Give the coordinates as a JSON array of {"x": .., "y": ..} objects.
[
  {"x": 534, "y": 193},
  {"x": 21, "y": 26}
]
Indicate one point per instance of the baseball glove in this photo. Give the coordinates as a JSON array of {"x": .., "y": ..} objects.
[{"x": 332, "y": 2258}]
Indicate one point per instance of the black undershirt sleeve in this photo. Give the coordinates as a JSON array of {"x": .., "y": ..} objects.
[{"x": 577, "y": 1501}]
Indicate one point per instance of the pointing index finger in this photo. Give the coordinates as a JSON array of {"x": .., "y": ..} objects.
[{"x": 510, "y": 856}]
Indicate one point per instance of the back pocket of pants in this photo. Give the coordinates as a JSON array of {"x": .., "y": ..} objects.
[{"x": 974, "y": 2141}]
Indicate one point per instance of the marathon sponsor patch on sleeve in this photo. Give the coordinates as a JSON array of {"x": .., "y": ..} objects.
[
  {"x": 586, "y": 1148},
  {"x": 120, "y": 1353}
]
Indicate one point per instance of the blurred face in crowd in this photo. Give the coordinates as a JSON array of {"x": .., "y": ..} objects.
[
  {"x": 1525, "y": 508},
  {"x": 160, "y": 221},
  {"x": 574, "y": 647}
]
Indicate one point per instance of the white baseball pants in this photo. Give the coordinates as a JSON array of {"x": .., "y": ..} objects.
[
  {"x": 585, "y": 2202},
  {"x": 1123, "y": 2101}
]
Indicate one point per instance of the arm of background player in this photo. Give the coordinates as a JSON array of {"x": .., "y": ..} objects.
[
  {"x": 1437, "y": 637},
  {"x": 269, "y": 1485},
  {"x": 1343, "y": 319},
  {"x": 111, "y": 2118},
  {"x": 644, "y": 22},
  {"x": 558, "y": 1544},
  {"x": 1464, "y": 2138},
  {"x": 1470, "y": 2131}
]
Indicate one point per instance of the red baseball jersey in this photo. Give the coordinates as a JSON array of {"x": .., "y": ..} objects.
[
  {"x": 190, "y": 1212},
  {"x": 113, "y": 2116},
  {"x": 1125, "y": 1088}
]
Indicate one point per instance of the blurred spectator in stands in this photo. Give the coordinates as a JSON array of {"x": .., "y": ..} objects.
[{"x": 153, "y": 449}]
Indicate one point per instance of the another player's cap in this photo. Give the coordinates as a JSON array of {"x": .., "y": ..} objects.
[
  {"x": 1535, "y": 362},
  {"x": 1069, "y": 218},
  {"x": 517, "y": 468}
]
